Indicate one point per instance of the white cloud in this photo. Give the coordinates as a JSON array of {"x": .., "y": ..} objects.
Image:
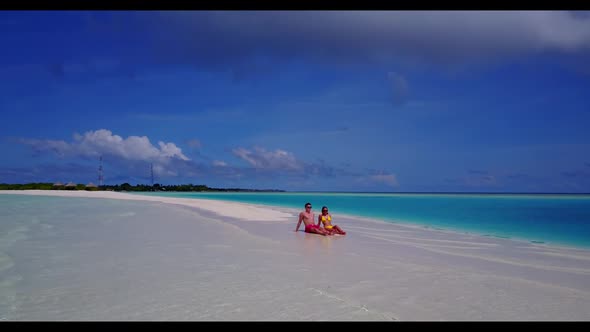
[
  {"x": 378, "y": 177},
  {"x": 170, "y": 150},
  {"x": 219, "y": 163},
  {"x": 274, "y": 160},
  {"x": 102, "y": 142},
  {"x": 132, "y": 157},
  {"x": 434, "y": 36}
]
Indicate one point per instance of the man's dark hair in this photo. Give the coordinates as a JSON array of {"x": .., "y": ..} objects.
[{"x": 306, "y": 204}]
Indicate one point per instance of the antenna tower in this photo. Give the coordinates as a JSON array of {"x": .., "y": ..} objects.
[
  {"x": 100, "y": 175},
  {"x": 152, "y": 173}
]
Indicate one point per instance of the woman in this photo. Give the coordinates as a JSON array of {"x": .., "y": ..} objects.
[{"x": 326, "y": 219}]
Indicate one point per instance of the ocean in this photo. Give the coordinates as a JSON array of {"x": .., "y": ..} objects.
[{"x": 557, "y": 219}]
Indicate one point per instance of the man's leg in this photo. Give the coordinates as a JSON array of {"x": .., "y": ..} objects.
[{"x": 318, "y": 230}]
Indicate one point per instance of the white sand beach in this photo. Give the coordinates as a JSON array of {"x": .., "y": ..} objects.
[{"x": 196, "y": 259}]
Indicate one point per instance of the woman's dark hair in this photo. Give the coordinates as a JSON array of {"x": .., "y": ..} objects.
[{"x": 324, "y": 208}]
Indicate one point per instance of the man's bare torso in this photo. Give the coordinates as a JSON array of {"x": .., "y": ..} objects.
[{"x": 307, "y": 218}]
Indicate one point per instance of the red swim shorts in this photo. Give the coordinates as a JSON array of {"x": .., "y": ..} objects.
[{"x": 308, "y": 228}]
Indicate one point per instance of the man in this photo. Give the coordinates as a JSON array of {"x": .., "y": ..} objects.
[{"x": 307, "y": 218}]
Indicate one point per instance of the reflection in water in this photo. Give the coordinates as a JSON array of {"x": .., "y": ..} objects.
[{"x": 314, "y": 244}]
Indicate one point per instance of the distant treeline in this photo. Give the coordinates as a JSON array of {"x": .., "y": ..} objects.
[{"x": 125, "y": 187}]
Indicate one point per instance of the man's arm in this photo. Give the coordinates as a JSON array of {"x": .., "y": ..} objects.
[
  {"x": 319, "y": 220},
  {"x": 299, "y": 222}
]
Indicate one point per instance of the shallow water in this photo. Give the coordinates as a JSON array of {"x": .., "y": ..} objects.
[{"x": 552, "y": 219}]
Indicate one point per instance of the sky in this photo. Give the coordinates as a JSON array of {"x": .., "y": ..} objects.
[{"x": 367, "y": 101}]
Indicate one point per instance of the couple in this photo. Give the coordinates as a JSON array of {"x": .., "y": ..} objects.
[{"x": 326, "y": 218}]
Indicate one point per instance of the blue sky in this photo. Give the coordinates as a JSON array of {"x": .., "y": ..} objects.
[{"x": 301, "y": 101}]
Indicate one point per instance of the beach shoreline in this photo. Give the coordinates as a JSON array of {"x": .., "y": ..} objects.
[
  {"x": 484, "y": 230},
  {"x": 248, "y": 211},
  {"x": 378, "y": 271}
]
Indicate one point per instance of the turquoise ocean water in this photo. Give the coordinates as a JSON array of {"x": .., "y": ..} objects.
[{"x": 552, "y": 219}]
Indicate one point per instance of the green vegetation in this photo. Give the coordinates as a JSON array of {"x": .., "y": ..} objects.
[
  {"x": 28, "y": 186},
  {"x": 129, "y": 187}
]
